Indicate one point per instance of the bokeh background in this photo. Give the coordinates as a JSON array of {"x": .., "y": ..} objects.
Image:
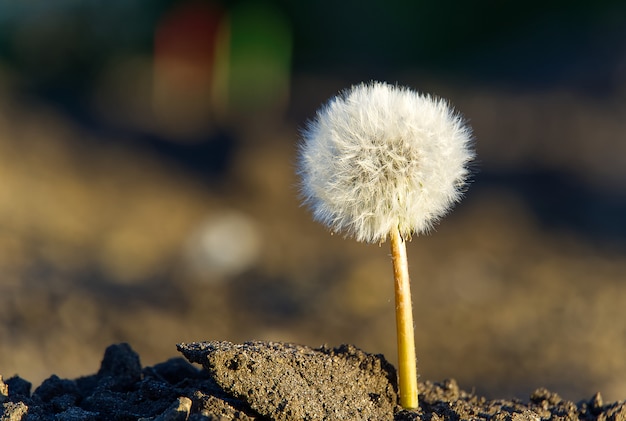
[{"x": 148, "y": 195}]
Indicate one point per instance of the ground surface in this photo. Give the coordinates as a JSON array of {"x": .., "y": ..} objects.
[{"x": 268, "y": 381}]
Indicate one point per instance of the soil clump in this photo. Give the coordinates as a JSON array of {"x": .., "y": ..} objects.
[{"x": 268, "y": 381}]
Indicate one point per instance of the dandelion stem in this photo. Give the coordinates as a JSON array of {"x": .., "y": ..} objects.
[{"x": 407, "y": 367}]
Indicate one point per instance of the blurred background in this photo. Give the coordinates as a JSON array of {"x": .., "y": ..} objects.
[{"x": 148, "y": 195}]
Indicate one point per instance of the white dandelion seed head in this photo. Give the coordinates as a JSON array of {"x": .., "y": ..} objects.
[{"x": 378, "y": 156}]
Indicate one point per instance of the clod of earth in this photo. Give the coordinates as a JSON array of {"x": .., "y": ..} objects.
[
  {"x": 292, "y": 382},
  {"x": 268, "y": 381}
]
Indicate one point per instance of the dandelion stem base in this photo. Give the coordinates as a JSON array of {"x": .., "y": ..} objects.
[{"x": 407, "y": 366}]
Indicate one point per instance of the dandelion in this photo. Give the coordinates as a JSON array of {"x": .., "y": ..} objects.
[{"x": 384, "y": 161}]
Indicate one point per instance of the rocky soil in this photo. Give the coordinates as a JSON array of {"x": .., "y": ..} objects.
[{"x": 268, "y": 381}]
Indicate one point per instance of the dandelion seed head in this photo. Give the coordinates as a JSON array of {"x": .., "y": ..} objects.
[{"x": 378, "y": 156}]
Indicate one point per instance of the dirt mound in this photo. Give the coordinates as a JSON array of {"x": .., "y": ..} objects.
[
  {"x": 267, "y": 380},
  {"x": 287, "y": 382}
]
